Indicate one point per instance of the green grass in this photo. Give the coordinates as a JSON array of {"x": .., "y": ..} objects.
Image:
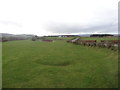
[
  {"x": 33, "y": 64},
  {"x": 99, "y": 38}
]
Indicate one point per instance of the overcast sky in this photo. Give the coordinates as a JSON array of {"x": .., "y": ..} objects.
[{"x": 50, "y": 17}]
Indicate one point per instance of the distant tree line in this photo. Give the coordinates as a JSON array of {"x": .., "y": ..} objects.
[
  {"x": 101, "y": 35},
  {"x": 35, "y": 38}
]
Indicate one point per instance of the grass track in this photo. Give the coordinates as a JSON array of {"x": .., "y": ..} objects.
[{"x": 28, "y": 64}]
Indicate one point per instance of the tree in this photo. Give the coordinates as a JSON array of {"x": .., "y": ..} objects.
[{"x": 34, "y": 38}]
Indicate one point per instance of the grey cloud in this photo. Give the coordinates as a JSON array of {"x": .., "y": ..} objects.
[
  {"x": 69, "y": 29},
  {"x": 104, "y": 21}
]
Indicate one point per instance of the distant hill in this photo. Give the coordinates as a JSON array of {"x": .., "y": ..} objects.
[
  {"x": 84, "y": 35},
  {"x": 88, "y": 35},
  {"x": 19, "y": 35},
  {"x": 4, "y": 37}
]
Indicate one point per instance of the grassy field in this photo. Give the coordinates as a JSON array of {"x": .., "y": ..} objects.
[
  {"x": 99, "y": 38},
  {"x": 34, "y": 64}
]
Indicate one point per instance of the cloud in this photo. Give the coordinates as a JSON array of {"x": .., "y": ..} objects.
[
  {"x": 90, "y": 28},
  {"x": 47, "y": 17},
  {"x": 11, "y": 23},
  {"x": 94, "y": 20}
]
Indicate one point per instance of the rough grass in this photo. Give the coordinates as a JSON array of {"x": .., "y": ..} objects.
[
  {"x": 99, "y": 38},
  {"x": 33, "y": 64}
]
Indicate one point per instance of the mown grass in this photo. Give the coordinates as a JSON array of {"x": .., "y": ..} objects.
[{"x": 34, "y": 64}]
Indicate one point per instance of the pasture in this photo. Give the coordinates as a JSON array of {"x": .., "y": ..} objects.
[
  {"x": 99, "y": 38},
  {"x": 34, "y": 64}
]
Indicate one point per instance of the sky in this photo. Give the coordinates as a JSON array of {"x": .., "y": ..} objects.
[{"x": 51, "y": 17}]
